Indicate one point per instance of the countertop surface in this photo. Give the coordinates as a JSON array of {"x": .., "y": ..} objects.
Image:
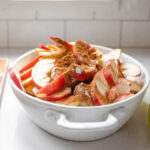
[{"x": 18, "y": 132}]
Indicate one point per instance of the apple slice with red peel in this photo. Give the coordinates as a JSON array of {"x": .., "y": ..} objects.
[
  {"x": 117, "y": 90},
  {"x": 123, "y": 97},
  {"x": 111, "y": 72},
  {"x": 83, "y": 74},
  {"x": 58, "y": 40},
  {"x": 63, "y": 93},
  {"x": 15, "y": 76},
  {"x": 30, "y": 64},
  {"x": 41, "y": 46},
  {"x": 40, "y": 72},
  {"x": 27, "y": 82},
  {"x": 130, "y": 69},
  {"x": 101, "y": 83},
  {"x": 99, "y": 99},
  {"x": 26, "y": 74},
  {"x": 52, "y": 87},
  {"x": 80, "y": 51}
]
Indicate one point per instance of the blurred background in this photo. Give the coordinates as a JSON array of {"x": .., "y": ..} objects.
[{"x": 113, "y": 23}]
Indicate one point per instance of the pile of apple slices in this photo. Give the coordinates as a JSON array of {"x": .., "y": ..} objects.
[
  {"x": 115, "y": 82},
  {"x": 109, "y": 80}
]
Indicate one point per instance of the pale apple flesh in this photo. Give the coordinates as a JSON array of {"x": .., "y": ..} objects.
[
  {"x": 118, "y": 90},
  {"x": 40, "y": 72},
  {"x": 111, "y": 72},
  {"x": 123, "y": 97},
  {"x": 130, "y": 69},
  {"x": 63, "y": 93},
  {"x": 101, "y": 83},
  {"x": 52, "y": 87}
]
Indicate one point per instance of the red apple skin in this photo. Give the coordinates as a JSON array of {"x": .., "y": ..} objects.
[
  {"x": 96, "y": 100},
  {"x": 123, "y": 97},
  {"x": 53, "y": 87},
  {"x": 97, "y": 97},
  {"x": 108, "y": 74},
  {"x": 41, "y": 46},
  {"x": 118, "y": 90},
  {"x": 67, "y": 44},
  {"x": 26, "y": 75},
  {"x": 83, "y": 76},
  {"x": 15, "y": 78},
  {"x": 64, "y": 93},
  {"x": 30, "y": 64}
]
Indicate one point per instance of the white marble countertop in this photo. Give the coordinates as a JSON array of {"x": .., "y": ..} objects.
[{"x": 18, "y": 132}]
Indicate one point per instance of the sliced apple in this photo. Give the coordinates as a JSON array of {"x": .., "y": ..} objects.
[
  {"x": 130, "y": 69},
  {"x": 101, "y": 83},
  {"x": 39, "y": 50},
  {"x": 26, "y": 74},
  {"x": 40, "y": 72},
  {"x": 82, "y": 73},
  {"x": 114, "y": 54},
  {"x": 123, "y": 97},
  {"x": 61, "y": 42},
  {"x": 27, "y": 82},
  {"x": 124, "y": 80},
  {"x": 111, "y": 72},
  {"x": 63, "y": 93},
  {"x": 52, "y": 54},
  {"x": 15, "y": 76},
  {"x": 117, "y": 90},
  {"x": 52, "y": 87},
  {"x": 80, "y": 51},
  {"x": 41, "y": 46},
  {"x": 30, "y": 64},
  {"x": 99, "y": 99}
]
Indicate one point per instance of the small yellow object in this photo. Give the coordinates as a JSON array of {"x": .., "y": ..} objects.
[
  {"x": 41, "y": 95},
  {"x": 148, "y": 117},
  {"x": 38, "y": 50},
  {"x": 76, "y": 103},
  {"x": 29, "y": 89}
]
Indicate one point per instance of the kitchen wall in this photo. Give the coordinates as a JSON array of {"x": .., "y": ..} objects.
[{"x": 113, "y": 23}]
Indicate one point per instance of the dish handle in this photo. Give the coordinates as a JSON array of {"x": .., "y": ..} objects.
[{"x": 62, "y": 121}]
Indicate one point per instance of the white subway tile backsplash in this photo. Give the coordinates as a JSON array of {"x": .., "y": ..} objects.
[
  {"x": 129, "y": 10},
  {"x": 31, "y": 33},
  {"x": 136, "y": 34},
  {"x": 3, "y": 34},
  {"x": 97, "y": 32},
  {"x": 17, "y": 13},
  {"x": 64, "y": 14}
]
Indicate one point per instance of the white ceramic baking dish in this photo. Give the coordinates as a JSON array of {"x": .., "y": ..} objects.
[{"x": 79, "y": 123}]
